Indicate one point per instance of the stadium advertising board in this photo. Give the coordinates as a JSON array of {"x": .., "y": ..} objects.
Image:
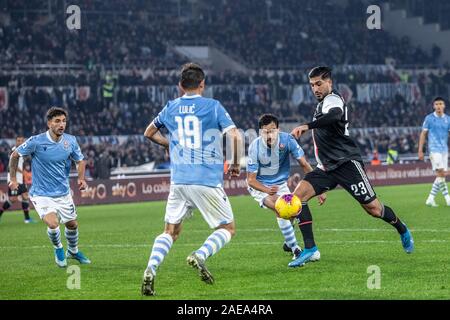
[{"x": 157, "y": 188}]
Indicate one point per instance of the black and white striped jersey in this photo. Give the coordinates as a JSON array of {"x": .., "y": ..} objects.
[{"x": 332, "y": 144}]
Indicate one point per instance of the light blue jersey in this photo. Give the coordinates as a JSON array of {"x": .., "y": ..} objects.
[
  {"x": 437, "y": 128},
  {"x": 50, "y": 163},
  {"x": 273, "y": 165},
  {"x": 196, "y": 125}
]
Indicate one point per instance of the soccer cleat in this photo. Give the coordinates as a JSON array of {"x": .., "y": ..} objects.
[
  {"x": 59, "y": 258},
  {"x": 286, "y": 248},
  {"x": 297, "y": 253},
  {"x": 407, "y": 241},
  {"x": 194, "y": 261},
  {"x": 431, "y": 202},
  {"x": 315, "y": 257},
  {"x": 304, "y": 257},
  {"x": 447, "y": 201},
  {"x": 27, "y": 221},
  {"x": 148, "y": 282},
  {"x": 78, "y": 256}
]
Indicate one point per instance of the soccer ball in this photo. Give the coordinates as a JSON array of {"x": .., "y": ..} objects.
[{"x": 288, "y": 206}]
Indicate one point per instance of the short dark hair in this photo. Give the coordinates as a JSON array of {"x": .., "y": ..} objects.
[
  {"x": 191, "y": 76},
  {"x": 54, "y": 112},
  {"x": 320, "y": 71},
  {"x": 438, "y": 99},
  {"x": 266, "y": 119}
]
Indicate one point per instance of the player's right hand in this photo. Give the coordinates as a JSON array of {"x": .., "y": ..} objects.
[
  {"x": 13, "y": 185},
  {"x": 234, "y": 170},
  {"x": 273, "y": 190},
  {"x": 298, "y": 131},
  {"x": 421, "y": 156}
]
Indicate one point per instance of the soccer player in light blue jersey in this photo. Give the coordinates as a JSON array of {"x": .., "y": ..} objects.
[
  {"x": 436, "y": 126},
  {"x": 52, "y": 153},
  {"x": 196, "y": 125},
  {"x": 268, "y": 168}
]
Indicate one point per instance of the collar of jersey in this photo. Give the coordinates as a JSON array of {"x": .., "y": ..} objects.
[
  {"x": 266, "y": 146},
  {"x": 50, "y": 138},
  {"x": 435, "y": 114},
  {"x": 191, "y": 96}
]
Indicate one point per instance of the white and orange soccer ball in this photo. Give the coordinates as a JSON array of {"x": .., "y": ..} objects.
[{"x": 288, "y": 206}]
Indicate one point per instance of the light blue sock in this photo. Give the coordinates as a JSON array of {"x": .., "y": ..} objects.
[
  {"x": 288, "y": 233},
  {"x": 160, "y": 249},
  {"x": 213, "y": 243},
  {"x": 55, "y": 237}
]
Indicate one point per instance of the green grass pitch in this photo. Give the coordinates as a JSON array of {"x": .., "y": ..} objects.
[{"x": 118, "y": 239}]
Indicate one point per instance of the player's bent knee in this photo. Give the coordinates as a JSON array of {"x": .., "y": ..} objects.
[
  {"x": 373, "y": 208},
  {"x": 231, "y": 228},
  {"x": 440, "y": 173},
  {"x": 72, "y": 224},
  {"x": 304, "y": 191}
]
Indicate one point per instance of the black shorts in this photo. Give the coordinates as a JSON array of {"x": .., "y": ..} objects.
[
  {"x": 22, "y": 189},
  {"x": 350, "y": 175}
]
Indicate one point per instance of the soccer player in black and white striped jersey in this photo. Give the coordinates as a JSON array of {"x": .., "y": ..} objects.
[
  {"x": 22, "y": 191},
  {"x": 339, "y": 163}
]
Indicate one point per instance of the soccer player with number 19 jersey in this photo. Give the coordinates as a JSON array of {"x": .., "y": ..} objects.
[{"x": 196, "y": 125}]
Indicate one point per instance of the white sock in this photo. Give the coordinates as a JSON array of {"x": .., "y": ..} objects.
[
  {"x": 55, "y": 237},
  {"x": 288, "y": 233},
  {"x": 435, "y": 189},
  {"x": 160, "y": 249},
  {"x": 216, "y": 241}
]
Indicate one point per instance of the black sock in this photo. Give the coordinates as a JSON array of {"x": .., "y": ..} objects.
[
  {"x": 305, "y": 225},
  {"x": 389, "y": 216},
  {"x": 6, "y": 206},
  {"x": 26, "y": 209}
]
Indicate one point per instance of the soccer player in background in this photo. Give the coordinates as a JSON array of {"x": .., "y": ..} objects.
[
  {"x": 339, "y": 163},
  {"x": 196, "y": 125},
  {"x": 268, "y": 168},
  {"x": 436, "y": 126},
  {"x": 52, "y": 153},
  {"x": 22, "y": 189}
]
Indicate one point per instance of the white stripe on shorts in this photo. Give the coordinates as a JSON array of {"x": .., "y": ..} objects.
[{"x": 364, "y": 177}]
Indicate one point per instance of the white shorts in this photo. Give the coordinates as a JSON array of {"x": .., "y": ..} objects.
[
  {"x": 439, "y": 160},
  {"x": 212, "y": 202},
  {"x": 62, "y": 206},
  {"x": 259, "y": 196}
]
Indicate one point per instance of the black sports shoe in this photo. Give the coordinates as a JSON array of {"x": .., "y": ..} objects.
[
  {"x": 286, "y": 248},
  {"x": 297, "y": 253},
  {"x": 147, "y": 288},
  {"x": 195, "y": 262}
]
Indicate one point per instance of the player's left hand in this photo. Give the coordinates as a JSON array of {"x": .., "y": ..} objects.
[
  {"x": 298, "y": 131},
  {"x": 234, "y": 170},
  {"x": 82, "y": 185},
  {"x": 322, "y": 198}
]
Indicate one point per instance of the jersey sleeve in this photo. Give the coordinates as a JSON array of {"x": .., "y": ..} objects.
[
  {"x": 426, "y": 124},
  {"x": 252, "y": 159},
  {"x": 28, "y": 147},
  {"x": 161, "y": 118},
  {"x": 294, "y": 148},
  {"x": 76, "y": 154},
  {"x": 224, "y": 119},
  {"x": 332, "y": 101}
]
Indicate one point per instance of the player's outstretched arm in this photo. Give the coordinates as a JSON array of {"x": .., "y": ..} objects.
[
  {"x": 81, "y": 168},
  {"x": 306, "y": 166},
  {"x": 152, "y": 133},
  {"x": 13, "y": 165},
  {"x": 423, "y": 136},
  {"x": 333, "y": 115}
]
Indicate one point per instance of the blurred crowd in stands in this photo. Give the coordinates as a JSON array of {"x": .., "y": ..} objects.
[
  {"x": 123, "y": 68},
  {"x": 276, "y": 34}
]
